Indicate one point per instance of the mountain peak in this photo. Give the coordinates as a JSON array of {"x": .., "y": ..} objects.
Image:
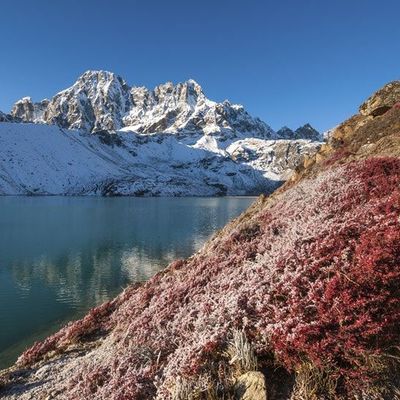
[
  {"x": 28, "y": 111},
  {"x": 192, "y": 82},
  {"x": 306, "y": 132},
  {"x": 90, "y": 73},
  {"x": 102, "y": 100}
]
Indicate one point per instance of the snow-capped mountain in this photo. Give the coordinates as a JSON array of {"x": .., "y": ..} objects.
[
  {"x": 45, "y": 159},
  {"x": 101, "y": 100},
  {"x": 185, "y": 108},
  {"x": 101, "y": 136}
]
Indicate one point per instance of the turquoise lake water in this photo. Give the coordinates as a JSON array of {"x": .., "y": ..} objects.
[{"x": 60, "y": 256}]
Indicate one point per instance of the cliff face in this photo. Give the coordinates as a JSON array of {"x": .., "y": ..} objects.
[{"x": 304, "y": 287}]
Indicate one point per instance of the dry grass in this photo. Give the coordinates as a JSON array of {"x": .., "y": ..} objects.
[
  {"x": 217, "y": 382},
  {"x": 386, "y": 368},
  {"x": 241, "y": 354},
  {"x": 314, "y": 383},
  {"x": 202, "y": 388}
]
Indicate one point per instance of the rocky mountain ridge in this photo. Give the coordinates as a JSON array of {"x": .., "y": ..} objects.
[{"x": 102, "y": 100}]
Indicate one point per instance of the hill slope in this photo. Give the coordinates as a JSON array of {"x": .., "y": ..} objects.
[
  {"x": 46, "y": 159},
  {"x": 304, "y": 286}
]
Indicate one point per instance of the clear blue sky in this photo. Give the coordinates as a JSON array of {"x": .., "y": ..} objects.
[{"x": 287, "y": 61}]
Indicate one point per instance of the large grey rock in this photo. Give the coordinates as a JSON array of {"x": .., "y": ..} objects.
[
  {"x": 382, "y": 100},
  {"x": 251, "y": 386}
]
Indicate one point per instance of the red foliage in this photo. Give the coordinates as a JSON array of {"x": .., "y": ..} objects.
[{"x": 315, "y": 276}]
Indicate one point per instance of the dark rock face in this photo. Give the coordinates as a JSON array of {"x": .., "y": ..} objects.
[
  {"x": 382, "y": 100},
  {"x": 8, "y": 118},
  {"x": 285, "y": 133},
  {"x": 307, "y": 132},
  {"x": 3, "y": 117},
  {"x": 304, "y": 132}
]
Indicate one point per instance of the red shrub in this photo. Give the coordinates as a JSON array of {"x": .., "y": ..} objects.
[{"x": 314, "y": 276}]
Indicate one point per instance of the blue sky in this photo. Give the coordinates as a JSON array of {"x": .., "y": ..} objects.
[{"x": 287, "y": 61}]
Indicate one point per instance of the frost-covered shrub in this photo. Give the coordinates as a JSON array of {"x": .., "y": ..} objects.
[{"x": 312, "y": 278}]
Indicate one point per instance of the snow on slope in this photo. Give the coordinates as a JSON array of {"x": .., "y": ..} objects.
[
  {"x": 172, "y": 140},
  {"x": 46, "y": 159}
]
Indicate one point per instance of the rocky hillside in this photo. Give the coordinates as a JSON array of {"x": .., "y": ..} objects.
[
  {"x": 298, "y": 298},
  {"x": 103, "y": 137}
]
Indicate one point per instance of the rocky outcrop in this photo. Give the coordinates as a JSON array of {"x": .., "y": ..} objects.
[
  {"x": 251, "y": 386},
  {"x": 4, "y": 117},
  {"x": 374, "y": 130},
  {"x": 28, "y": 111},
  {"x": 381, "y": 101},
  {"x": 8, "y": 118}
]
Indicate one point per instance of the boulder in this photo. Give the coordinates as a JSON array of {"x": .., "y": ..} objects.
[{"x": 251, "y": 386}]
